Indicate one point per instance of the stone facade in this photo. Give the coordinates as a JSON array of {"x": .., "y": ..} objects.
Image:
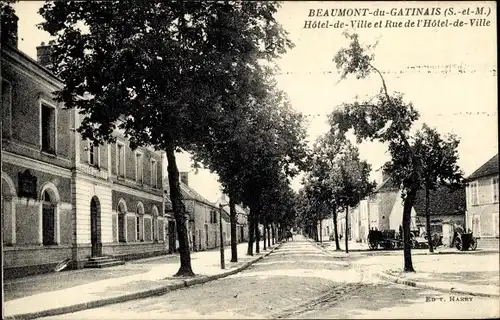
[
  {"x": 63, "y": 198},
  {"x": 482, "y": 216}
]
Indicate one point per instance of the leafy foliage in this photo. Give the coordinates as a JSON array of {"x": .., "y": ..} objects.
[
  {"x": 169, "y": 74},
  {"x": 8, "y": 20},
  {"x": 439, "y": 158}
]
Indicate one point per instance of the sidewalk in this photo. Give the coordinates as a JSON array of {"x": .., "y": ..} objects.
[
  {"x": 70, "y": 291},
  {"x": 447, "y": 269}
]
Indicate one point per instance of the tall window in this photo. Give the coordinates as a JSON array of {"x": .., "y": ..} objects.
[
  {"x": 48, "y": 131},
  {"x": 473, "y": 193},
  {"x": 495, "y": 189},
  {"x": 122, "y": 228},
  {"x": 139, "y": 222},
  {"x": 93, "y": 154},
  {"x": 120, "y": 160},
  {"x": 154, "y": 225},
  {"x": 138, "y": 167},
  {"x": 213, "y": 216},
  {"x": 6, "y": 100},
  {"x": 154, "y": 174},
  {"x": 495, "y": 225},
  {"x": 48, "y": 220}
]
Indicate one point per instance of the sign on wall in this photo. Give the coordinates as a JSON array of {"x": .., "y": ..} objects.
[{"x": 26, "y": 184}]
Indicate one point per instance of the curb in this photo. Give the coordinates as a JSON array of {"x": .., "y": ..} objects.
[
  {"x": 141, "y": 294},
  {"x": 411, "y": 283}
]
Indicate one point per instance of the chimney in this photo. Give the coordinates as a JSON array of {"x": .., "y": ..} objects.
[
  {"x": 43, "y": 54},
  {"x": 184, "y": 178},
  {"x": 9, "y": 34}
]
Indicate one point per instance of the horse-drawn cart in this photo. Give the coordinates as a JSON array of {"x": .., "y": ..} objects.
[
  {"x": 462, "y": 240},
  {"x": 386, "y": 239}
]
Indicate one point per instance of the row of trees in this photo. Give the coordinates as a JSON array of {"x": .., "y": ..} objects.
[
  {"x": 420, "y": 160},
  {"x": 187, "y": 76}
]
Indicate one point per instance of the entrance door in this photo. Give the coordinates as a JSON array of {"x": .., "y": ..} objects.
[
  {"x": 95, "y": 227},
  {"x": 48, "y": 224},
  {"x": 242, "y": 238}
]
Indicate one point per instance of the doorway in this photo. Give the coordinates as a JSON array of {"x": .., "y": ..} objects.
[{"x": 95, "y": 227}]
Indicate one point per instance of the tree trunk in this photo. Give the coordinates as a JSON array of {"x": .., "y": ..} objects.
[
  {"x": 320, "y": 230},
  {"x": 273, "y": 230},
  {"x": 408, "y": 204},
  {"x": 250, "y": 233},
  {"x": 264, "y": 235},
  {"x": 428, "y": 219},
  {"x": 179, "y": 211},
  {"x": 234, "y": 237},
  {"x": 335, "y": 229},
  {"x": 316, "y": 235},
  {"x": 257, "y": 234},
  {"x": 268, "y": 236},
  {"x": 347, "y": 229}
]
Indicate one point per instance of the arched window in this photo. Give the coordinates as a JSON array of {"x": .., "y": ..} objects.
[
  {"x": 139, "y": 222},
  {"x": 122, "y": 221},
  {"x": 8, "y": 210},
  {"x": 154, "y": 224},
  {"x": 48, "y": 219}
]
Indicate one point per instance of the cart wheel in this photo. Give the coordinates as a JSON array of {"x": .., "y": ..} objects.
[
  {"x": 473, "y": 245},
  {"x": 458, "y": 244},
  {"x": 373, "y": 245}
]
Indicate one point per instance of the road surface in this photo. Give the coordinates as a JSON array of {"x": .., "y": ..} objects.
[{"x": 298, "y": 280}]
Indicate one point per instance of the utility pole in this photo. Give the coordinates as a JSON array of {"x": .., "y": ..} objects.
[
  {"x": 347, "y": 229},
  {"x": 222, "y": 265}
]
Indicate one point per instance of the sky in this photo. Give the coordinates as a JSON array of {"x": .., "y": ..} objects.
[{"x": 448, "y": 73}]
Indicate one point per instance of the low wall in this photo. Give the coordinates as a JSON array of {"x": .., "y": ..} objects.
[{"x": 25, "y": 261}]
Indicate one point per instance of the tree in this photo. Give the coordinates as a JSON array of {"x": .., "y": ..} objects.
[
  {"x": 8, "y": 20},
  {"x": 385, "y": 118},
  {"x": 162, "y": 74},
  {"x": 326, "y": 152},
  {"x": 262, "y": 145},
  {"x": 439, "y": 166},
  {"x": 353, "y": 181}
]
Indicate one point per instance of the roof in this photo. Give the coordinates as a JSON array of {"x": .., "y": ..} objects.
[
  {"x": 487, "y": 169},
  {"x": 240, "y": 212},
  {"x": 443, "y": 201},
  {"x": 13, "y": 51},
  {"x": 386, "y": 185}
]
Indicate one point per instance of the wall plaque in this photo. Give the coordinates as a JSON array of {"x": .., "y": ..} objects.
[{"x": 27, "y": 184}]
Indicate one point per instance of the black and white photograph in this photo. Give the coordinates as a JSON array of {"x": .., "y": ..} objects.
[{"x": 249, "y": 159}]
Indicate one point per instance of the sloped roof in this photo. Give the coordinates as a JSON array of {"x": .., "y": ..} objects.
[
  {"x": 443, "y": 201},
  {"x": 487, "y": 169},
  {"x": 386, "y": 185},
  {"x": 240, "y": 212}
]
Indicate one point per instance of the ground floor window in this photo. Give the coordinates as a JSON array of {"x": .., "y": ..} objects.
[
  {"x": 476, "y": 225},
  {"x": 495, "y": 224},
  {"x": 139, "y": 222},
  {"x": 122, "y": 226},
  {"x": 48, "y": 220}
]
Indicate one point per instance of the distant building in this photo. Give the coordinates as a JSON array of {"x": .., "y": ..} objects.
[
  {"x": 202, "y": 217},
  {"x": 241, "y": 216},
  {"x": 482, "y": 203},
  {"x": 445, "y": 206}
]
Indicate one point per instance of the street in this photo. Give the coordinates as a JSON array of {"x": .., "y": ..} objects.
[{"x": 298, "y": 280}]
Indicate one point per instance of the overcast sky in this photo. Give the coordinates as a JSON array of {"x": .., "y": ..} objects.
[{"x": 449, "y": 74}]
